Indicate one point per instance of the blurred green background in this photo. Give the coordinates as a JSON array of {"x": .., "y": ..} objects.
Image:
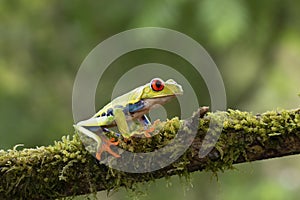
[{"x": 255, "y": 44}]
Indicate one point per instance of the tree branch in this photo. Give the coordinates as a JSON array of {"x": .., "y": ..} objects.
[{"x": 67, "y": 169}]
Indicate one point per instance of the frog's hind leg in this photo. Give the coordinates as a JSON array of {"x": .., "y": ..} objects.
[
  {"x": 103, "y": 143},
  {"x": 106, "y": 143}
]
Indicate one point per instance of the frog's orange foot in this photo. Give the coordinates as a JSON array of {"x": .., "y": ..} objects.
[
  {"x": 105, "y": 146},
  {"x": 151, "y": 128},
  {"x": 148, "y": 131}
]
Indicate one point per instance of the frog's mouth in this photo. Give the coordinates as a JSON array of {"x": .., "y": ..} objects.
[{"x": 153, "y": 102}]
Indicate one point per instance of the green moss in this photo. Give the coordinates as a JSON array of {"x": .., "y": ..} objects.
[
  {"x": 66, "y": 168},
  {"x": 242, "y": 129}
]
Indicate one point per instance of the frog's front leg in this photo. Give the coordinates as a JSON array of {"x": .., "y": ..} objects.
[
  {"x": 148, "y": 127},
  {"x": 121, "y": 121},
  {"x": 145, "y": 121},
  {"x": 103, "y": 143}
]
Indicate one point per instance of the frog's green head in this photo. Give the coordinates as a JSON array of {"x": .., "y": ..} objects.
[{"x": 158, "y": 88}]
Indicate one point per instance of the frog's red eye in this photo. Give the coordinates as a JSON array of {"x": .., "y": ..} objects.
[{"x": 157, "y": 84}]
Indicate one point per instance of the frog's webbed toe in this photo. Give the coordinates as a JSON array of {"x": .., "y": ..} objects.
[
  {"x": 105, "y": 147},
  {"x": 148, "y": 127}
]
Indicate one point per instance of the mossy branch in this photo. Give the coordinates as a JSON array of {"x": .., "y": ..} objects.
[{"x": 67, "y": 169}]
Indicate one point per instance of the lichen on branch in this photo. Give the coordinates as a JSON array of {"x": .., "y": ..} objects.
[{"x": 67, "y": 169}]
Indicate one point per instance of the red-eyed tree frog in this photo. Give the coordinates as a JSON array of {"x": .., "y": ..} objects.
[{"x": 133, "y": 105}]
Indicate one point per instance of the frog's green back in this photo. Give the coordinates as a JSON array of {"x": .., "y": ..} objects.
[
  {"x": 131, "y": 97},
  {"x": 168, "y": 88}
]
